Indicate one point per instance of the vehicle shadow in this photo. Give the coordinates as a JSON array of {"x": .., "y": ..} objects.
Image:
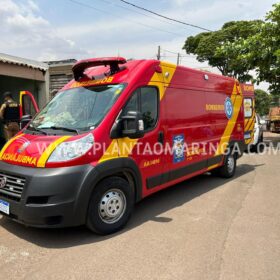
[{"x": 147, "y": 210}]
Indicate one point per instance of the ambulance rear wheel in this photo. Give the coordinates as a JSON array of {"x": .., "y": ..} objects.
[
  {"x": 110, "y": 206},
  {"x": 229, "y": 167}
]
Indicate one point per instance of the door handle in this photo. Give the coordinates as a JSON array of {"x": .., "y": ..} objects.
[{"x": 161, "y": 137}]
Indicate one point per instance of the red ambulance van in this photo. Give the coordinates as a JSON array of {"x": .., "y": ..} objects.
[{"x": 117, "y": 133}]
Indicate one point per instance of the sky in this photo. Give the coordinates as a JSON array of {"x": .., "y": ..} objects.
[{"x": 62, "y": 29}]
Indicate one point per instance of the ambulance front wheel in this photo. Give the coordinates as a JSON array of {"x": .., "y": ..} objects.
[
  {"x": 229, "y": 167},
  {"x": 110, "y": 206}
]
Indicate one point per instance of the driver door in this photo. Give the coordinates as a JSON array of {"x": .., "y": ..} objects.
[
  {"x": 27, "y": 104},
  {"x": 146, "y": 151}
]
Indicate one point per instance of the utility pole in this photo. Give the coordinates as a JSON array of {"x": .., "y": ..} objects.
[
  {"x": 178, "y": 59},
  {"x": 158, "y": 54}
]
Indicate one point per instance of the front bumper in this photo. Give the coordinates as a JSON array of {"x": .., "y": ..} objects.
[{"x": 55, "y": 197}]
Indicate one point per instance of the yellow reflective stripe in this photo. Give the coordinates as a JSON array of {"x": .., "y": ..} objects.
[
  {"x": 111, "y": 152},
  {"x": 126, "y": 146},
  {"x": 21, "y": 94},
  {"x": 163, "y": 80},
  {"x": 237, "y": 102},
  {"x": 46, "y": 154},
  {"x": 8, "y": 144},
  {"x": 249, "y": 124},
  {"x": 121, "y": 147},
  {"x": 213, "y": 166},
  {"x": 252, "y": 126},
  {"x": 249, "y": 141}
]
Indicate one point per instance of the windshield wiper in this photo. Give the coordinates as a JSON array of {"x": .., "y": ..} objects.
[
  {"x": 63, "y": 128},
  {"x": 37, "y": 129}
]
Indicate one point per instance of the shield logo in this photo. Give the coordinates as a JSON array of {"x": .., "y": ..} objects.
[{"x": 228, "y": 108}]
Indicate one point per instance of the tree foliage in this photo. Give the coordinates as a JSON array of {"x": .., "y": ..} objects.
[
  {"x": 263, "y": 101},
  {"x": 263, "y": 51},
  {"x": 219, "y": 50},
  {"x": 243, "y": 46}
]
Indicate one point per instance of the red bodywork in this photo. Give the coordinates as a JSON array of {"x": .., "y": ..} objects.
[{"x": 191, "y": 106}]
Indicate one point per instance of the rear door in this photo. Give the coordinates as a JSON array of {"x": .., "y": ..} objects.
[{"x": 249, "y": 112}]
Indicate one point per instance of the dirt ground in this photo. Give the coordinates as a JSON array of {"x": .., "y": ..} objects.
[{"x": 204, "y": 228}]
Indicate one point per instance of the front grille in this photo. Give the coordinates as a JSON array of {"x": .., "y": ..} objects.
[{"x": 13, "y": 188}]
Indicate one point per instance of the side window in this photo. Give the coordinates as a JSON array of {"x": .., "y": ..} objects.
[
  {"x": 27, "y": 106},
  {"x": 145, "y": 100},
  {"x": 149, "y": 106},
  {"x": 248, "y": 107},
  {"x": 132, "y": 104}
]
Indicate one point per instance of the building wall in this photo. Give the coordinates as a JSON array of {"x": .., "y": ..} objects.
[
  {"x": 60, "y": 74},
  {"x": 16, "y": 78},
  {"x": 15, "y": 85},
  {"x": 58, "y": 81},
  {"x": 13, "y": 70}
]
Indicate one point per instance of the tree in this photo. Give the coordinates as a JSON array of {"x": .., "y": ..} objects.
[
  {"x": 220, "y": 50},
  {"x": 262, "y": 50},
  {"x": 243, "y": 46},
  {"x": 263, "y": 101}
]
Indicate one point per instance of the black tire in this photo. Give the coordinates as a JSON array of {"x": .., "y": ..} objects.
[
  {"x": 254, "y": 148},
  {"x": 119, "y": 190},
  {"x": 259, "y": 147},
  {"x": 228, "y": 169}
]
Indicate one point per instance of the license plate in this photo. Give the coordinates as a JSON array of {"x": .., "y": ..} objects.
[
  {"x": 247, "y": 135},
  {"x": 5, "y": 207}
]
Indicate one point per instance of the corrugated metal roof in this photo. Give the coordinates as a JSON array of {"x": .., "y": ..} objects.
[
  {"x": 23, "y": 62},
  {"x": 64, "y": 62}
]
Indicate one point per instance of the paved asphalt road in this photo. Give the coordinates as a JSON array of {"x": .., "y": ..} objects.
[{"x": 204, "y": 228}]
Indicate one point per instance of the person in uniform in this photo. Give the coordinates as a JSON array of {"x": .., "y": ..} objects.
[{"x": 9, "y": 114}]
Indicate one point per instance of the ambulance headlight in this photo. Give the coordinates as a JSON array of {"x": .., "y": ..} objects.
[{"x": 71, "y": 150}]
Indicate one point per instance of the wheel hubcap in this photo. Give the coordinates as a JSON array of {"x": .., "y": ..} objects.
[
  {"x": 112, "y": 206},
  {"x": 230, "y": 164}
]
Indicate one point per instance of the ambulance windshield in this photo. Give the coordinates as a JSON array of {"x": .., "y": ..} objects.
[{"x": 78, "y": 109}]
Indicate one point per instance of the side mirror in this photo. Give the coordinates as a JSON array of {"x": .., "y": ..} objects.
[
  {"x": 133, "y": 125},
  {"x": 25, "y": 120}
]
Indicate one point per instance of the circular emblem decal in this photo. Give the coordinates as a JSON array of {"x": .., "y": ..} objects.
[
  {"x": 3, "y": 182},
  {"x": 228, "y": 108}
]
